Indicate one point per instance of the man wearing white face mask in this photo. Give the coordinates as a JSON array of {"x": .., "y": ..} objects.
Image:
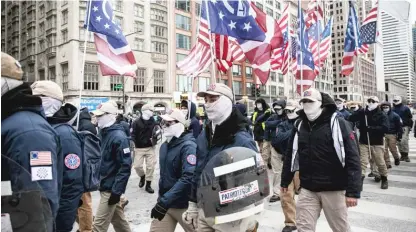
[
  {"x": 144, "y": 151},
  {"x": 393, "y": 136},
  {"x": 177, "y": 163},
  {"x": 194, "y": 126},
  {"x": 373, "y": 125},
  {"x": 324, "y": 150},
  {"x": 61, "y": 117},
  {"x": 407, "y": 118},
  {"x": 341, "y": 108},
  {"x": 115, "y": 169},
  {"x": 227, "y": 128}
]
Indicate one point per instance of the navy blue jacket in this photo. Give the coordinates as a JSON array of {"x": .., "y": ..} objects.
[
  {"x": 177, "y": 161},
  {"x": 115, "y": 159},
  {"x": 24, "y": 129},
  {"x": 85, "y": 123},
  {"x": 284, "y": 131},
  {"x": 395, "y": 124},
  {"x": 231, "y": 133},
  {"x": 195, "y": 127},
  {"x": 258, "y": 120},
  {"x": 72, "y": 185},
  {"x": 377, "y": 122},
  {"x": 344, "y": 113},
  {"x": 405, "y": 114}
]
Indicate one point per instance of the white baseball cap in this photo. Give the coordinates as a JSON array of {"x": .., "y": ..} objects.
[
  {"x": 217, "y": 89},
  {"x": 109, "y": 107},
  {"x": 374, "y": 98},
  {"x": 48, "y": 89},
  {"x": 311, "y": 94},
  {"x": 292, "y": 105},
  {"x": 174, "y": 115}
]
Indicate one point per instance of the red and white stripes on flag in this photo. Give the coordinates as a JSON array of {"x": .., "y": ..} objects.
[
  {"x": 227, "y": 51},
  {"x": 314, "y": 13},
  {"x": 280, "y": 55},
  {"x": 371, "y": 18}
]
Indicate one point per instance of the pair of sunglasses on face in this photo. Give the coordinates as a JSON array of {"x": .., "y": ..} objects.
[
  {"x": 371, "y": 101},
  {"x": 168, "y": 123},
  {"x": 289, "y": 111}
]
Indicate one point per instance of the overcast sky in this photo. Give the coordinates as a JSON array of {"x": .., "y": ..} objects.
[{"x": 413, "y": 12}]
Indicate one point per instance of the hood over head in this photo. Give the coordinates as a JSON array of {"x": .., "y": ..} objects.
[
  {"x": 66, "y": 114},
  {"x": 328, "y": 104},
  {"x": 242, "y": 108},
  {"x": 281, "y": 103},
  {"x": 20, "y": 99},
  {"x": 193, "y": 107},
  {"x": 263, "y": 103},
  {"x": 85, "y": 114}
]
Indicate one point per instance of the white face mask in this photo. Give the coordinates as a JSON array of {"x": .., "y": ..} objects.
[
  {"x": 8, "y": 84},
  {"x": 219, "y": 110},
  {"x": 259, "y": 106},
  {"x": 106, "y": 120},
  {"x": 340, "y": 106},
  {"x": 147, "y": 114},
  {"x": 386, "y": 110},
  {"x": 174, "y": 130},
  {"x": 292, "y": 115},
  {"x": 185, "y": 112},
  {"x": 372, "y": 106},
  {"x": 312, "y": 110},
  {"x": 50, "y": 105}
]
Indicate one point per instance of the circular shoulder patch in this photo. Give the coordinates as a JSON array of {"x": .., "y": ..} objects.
[
  {"x": 72, "y": 161},
  {"x": 191, "y": 159}
]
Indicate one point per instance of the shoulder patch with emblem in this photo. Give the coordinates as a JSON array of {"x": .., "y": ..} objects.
[
  {"x": 126, "y": 150},
  {"x": 191, "y": 159},
  {"x": 72, "y": 161},
  {"x": 352, "y": 137}
]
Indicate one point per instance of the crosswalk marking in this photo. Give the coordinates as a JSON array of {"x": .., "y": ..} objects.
[{"x": 402, "y": 192}]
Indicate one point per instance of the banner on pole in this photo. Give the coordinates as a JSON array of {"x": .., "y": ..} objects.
[{"x": 92, "y": 102}]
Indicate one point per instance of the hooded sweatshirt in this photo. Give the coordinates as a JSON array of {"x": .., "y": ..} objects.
[
  {"x": 258, "y": 121},
  {"x": 195, "y": 127},
  {"x": 273, "y": 121},
  {"x": 85, "y": 123}
]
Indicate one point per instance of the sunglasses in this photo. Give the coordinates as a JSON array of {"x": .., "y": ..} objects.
[
  {"x": 289, "y": 111},
  {"x": 168, "y": 123},
  {"x": 371, "y": 101},
  {"x": 395, "y": 100}
]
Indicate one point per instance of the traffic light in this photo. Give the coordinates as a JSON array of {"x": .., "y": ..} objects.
[
  {"x": 253, "y": 90},
  {"x": 258, "y": 94}
]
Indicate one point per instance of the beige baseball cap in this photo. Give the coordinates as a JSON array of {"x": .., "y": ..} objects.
[
  {"x": 47, "y": 88},
  {"x": 217, "y": 89},
  {"x": 109, "y": 107},
  {"x": 374, "y": 98},
  {"x": 10, "y": 67},
  {"x": 311, "y": 94},
  {"x": 174, "y": 115},
  {"x": 147, "y": 107},
  {"x": 292, "y": 105}
]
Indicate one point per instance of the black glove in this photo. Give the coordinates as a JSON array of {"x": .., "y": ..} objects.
[
  {"x": 80, "y": 203},
  {"x": 399, "y": 138},
  {"x": 158, "y": 212},
  {"x": 114, "y": 199}
]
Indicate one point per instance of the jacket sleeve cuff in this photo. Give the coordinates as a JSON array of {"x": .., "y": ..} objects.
[{"x": 353, "y": 194}]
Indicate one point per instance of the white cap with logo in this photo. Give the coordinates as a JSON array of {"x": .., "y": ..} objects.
[
  {"x": 174, "y": 115},
  {"x": 217, "y": 89},
  {"x": 311, "y": 94},
  {"x": 109, "y": 107},
  {"x": 374, "y": 98},
  {"x": 292, "y": 105}
]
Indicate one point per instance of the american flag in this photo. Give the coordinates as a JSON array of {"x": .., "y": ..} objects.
[
  {"x": 352, "y": 42},
  {"x": 259, "y": 53},
  {"x": 114, "y": 53},
  {"x": 368, "y": 31},
  {"x": 314, "y": 13},
  {"x": 293, "y": 52},
  {"x": 227, "y": 51},
  {"x": 280, "y": 55},
  {"x": 325, "y": 44},
  {"x": 40, "y": 158}
]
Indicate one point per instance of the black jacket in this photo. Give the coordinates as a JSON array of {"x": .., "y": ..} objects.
[
  {"x": 195, "y": 127},
  {"x": 405, "y": 114},
  {"x": 258, "y": 122},
  {"x": 319, "y": 166},
  {"x": 142, "y": 132},
  {"x": 85, "y": 123},
  {"x": 378, "y": 125}
]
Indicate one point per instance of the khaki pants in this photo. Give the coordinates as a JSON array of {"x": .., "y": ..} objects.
[
  {"x": 142, "y": 155},
  {"x": 85, "y": 215},
  {"x": 208, "y": 225},
  {"x": 404, "y": 143},
  {"x": 310, "y": 205},
  {"x": 260, "y": 144},
  {"x": 287, "y": 201},
  {"x": 277, "y": 163},
  {"x": 390, "y": 144},
  {"x": 169, "y": 222},
  {"x": 266, "y": 151},
  {"x": 107, "y": 214},
  {"x": 377, "y": 154}
]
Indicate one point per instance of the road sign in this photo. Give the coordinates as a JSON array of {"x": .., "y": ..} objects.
[
  {"x": 92, "y": 102},
  {"x": 118, "y": 86}
]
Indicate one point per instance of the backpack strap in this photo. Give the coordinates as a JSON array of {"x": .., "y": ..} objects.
[{"x": 337, "y": 137}]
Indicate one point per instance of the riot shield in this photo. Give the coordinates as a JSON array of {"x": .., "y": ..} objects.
[
  {"x": 24, "y": 204},
  {"x": 233, "y": 180}
]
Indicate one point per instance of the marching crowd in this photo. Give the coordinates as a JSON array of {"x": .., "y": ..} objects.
[{"x": 316, "y": 148}]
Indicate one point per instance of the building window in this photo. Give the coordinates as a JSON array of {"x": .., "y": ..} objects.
[
  {"x": 273, "y": 91},
  {"x": 248, "y": 88},
  {"x": 249, "y": 72},
  {"x": 138, "y": 44},
  {"x": 138, "y": 85},
  {"x": 159, "y": 47},
  {"x": 184, "y": 5},
  {"x": 118, "y": 6},
  {"x": 64, "y": 17},
  {"x": 183, "y": 83},
  {"x": 158, "y": 15},
  {"x": 82, "y": 35},
  {"x": 119, "y": 21},
  {"x": 159, "y": 31},
  {"x": 42, "y": 10},
  {"x": 64, "y": 68},
  {"x": 280, "y": 78},
  {"x": 259, "y": 5},
  {"x": 263, "y": 90},
  {"x": 183, "y": 41},
  {"x": 116, "y": 83},
  {"x": 64, "y": 36},
  {"x": 180, "y": 57},
  {"x": 202, "y": 83},
  {"x": 270, "y": 2},
  {"x": 91, "y": 76},
  {"x": 138, "y": 28},
  {"x": 236, "y": 70},
  {"x": 269, "y": 11},
  {"x": 277, "y": 16},
  {"x": 159, "y": 81},
  {"x": 52, "y": 74},
  {"x": 82, "y": 14},
  {"x": 198, "y": 9},
  {"x": 273, "y": 76},
  {"x": 42, "y": 28},
  {"x": 138, "y": 10},
  {"x": 183, "y": 22},
  {"x": 281, "y": 91},
  {"x": 237, "y": 87}
]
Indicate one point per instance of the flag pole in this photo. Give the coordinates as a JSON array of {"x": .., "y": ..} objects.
[
  {"x": 318, "y": 22},
  {"x": 81, "y": 84},
  {"x": 300, "y": 48},
  {"x": 210, "y": 43}
]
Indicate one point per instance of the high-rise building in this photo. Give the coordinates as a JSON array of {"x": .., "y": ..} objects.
[
  {"x": 414, "y": 37},
  {"x": 398, "y": 51}
]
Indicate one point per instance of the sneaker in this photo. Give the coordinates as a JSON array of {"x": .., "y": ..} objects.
[
  {"x": 371, "y": 174},
  {"x": 274, "y": 198},
  {"x": 289, "y": 228}
]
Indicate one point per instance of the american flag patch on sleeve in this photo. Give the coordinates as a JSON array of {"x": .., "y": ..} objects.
[{"x": 40, "y": 158}]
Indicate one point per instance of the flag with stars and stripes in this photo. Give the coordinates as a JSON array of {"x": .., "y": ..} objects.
[
  {"x": 114, "y": 53},
  {"x": 314, "y": 13},
  {"x": 280, "y": 56},
  {"x": 368, "y": 31},
  {"x": 352, "y": 42},
  {"x": 320, "y": 55}
]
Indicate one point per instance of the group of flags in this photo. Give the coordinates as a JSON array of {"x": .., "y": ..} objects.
[{"x": 234, "y": 31}]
